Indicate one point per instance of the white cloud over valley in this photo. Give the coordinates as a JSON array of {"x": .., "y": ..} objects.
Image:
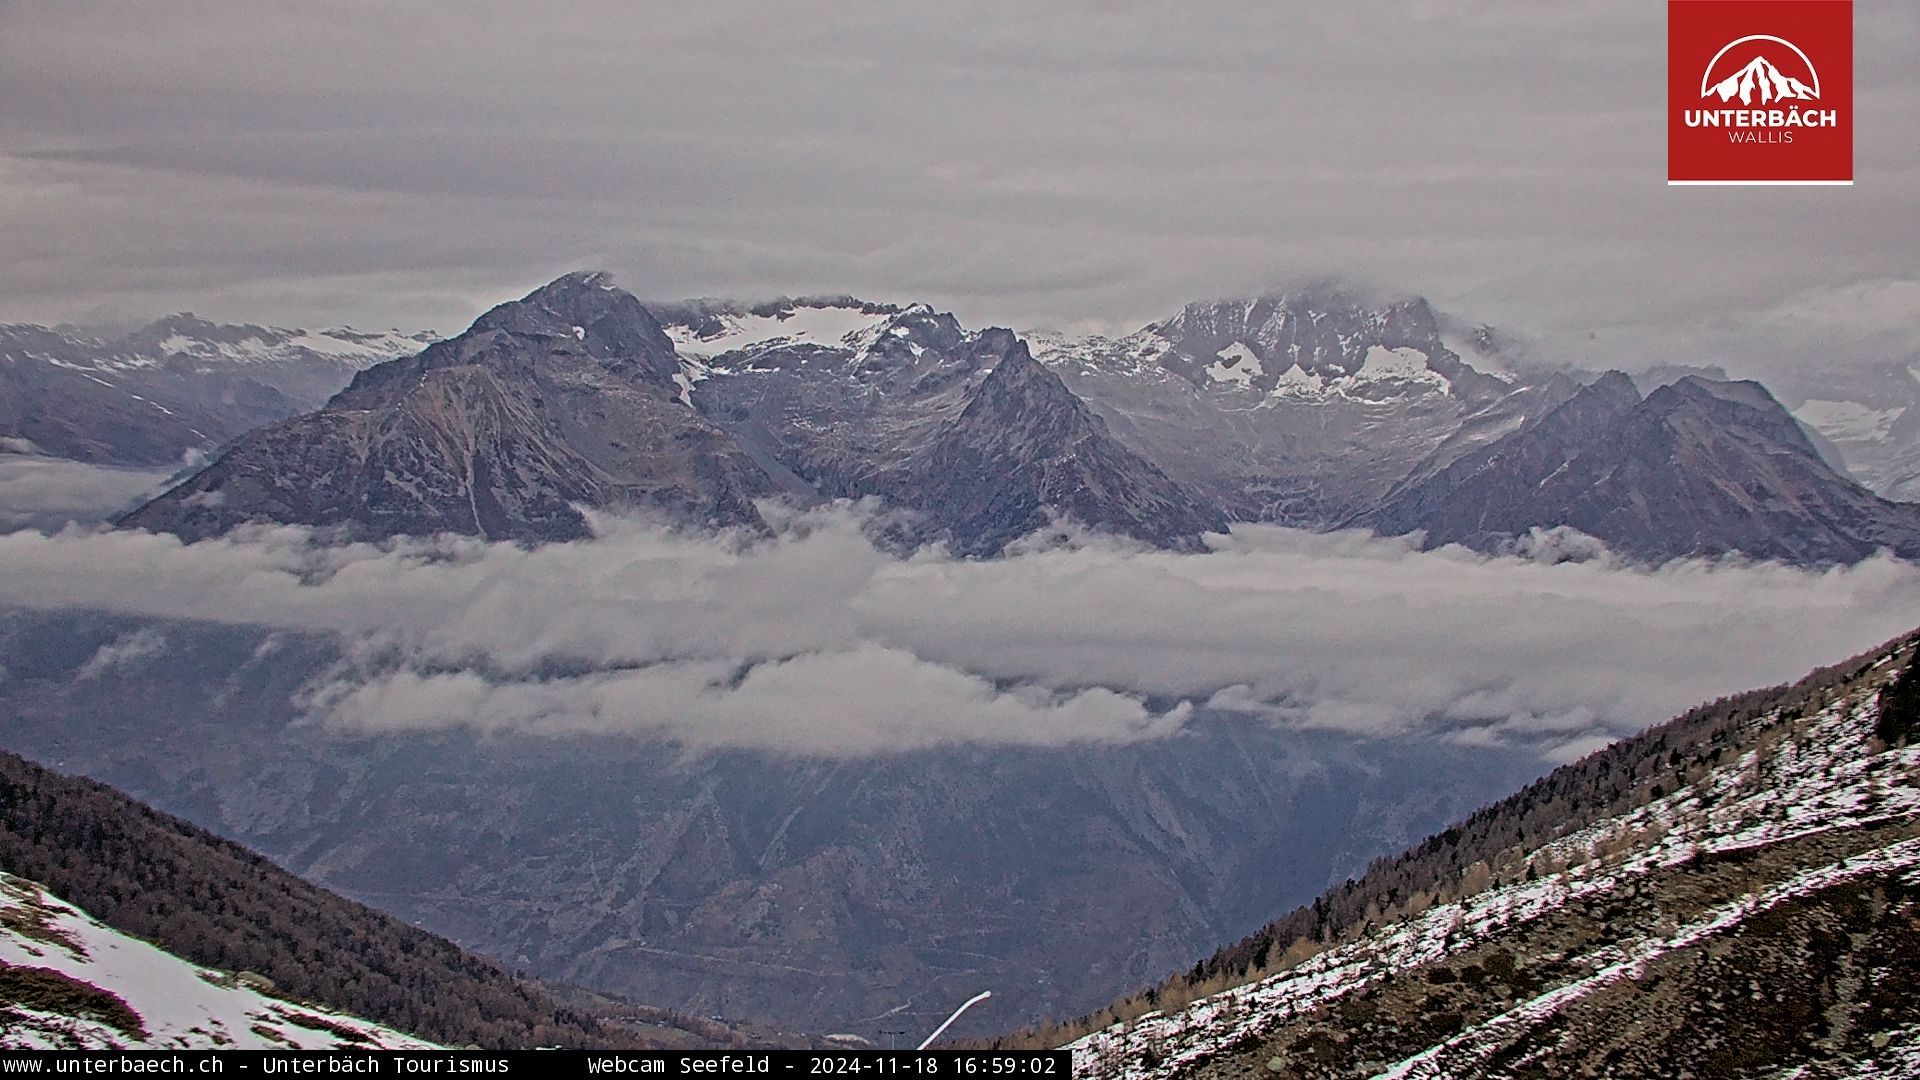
[
  {"x": 42, "y": 492},
  {"x": 814, "y": 641}
]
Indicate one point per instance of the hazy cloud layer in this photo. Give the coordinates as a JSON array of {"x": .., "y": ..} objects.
[
  {"x": 816, "y": 642},
  {"x": 1080, "y": 162},
  {"x": 125, "y": 653},
  {"x": 41, "y": 492}
]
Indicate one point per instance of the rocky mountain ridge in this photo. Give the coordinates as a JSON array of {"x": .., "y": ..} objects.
[
  {"x": 1733, "y": 894},
  {"x": 1320, "y": 411},
  {"x": 1697, "y": 467},
  {"x": 1314, "y": 410},
  {"x": 575, "y": 396},
  {"x": 176, "y": 386},
  {"x": 964, "y": 428},
  {"x": 564, "y": 398},
  {"x": 1295, "y": 409},
  {"x": 1871, "y": 417}
]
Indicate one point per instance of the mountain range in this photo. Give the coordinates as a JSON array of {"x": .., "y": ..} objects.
[
  {"x": 1315, "y": 410},
  {"x": 964, "y": 428},
  {"x": 1702, "y": 466},
  {"x": 1868, "y": 418},
  {"x": 843, "y": 894},
  {"x": 564, "y": 398},
  {"x": 177, "y": 386}
]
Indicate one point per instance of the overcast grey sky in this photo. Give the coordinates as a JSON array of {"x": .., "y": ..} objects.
[{"x": 1063, "y": 164}]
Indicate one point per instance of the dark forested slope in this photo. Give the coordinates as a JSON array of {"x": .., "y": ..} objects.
[{"x": 215, "y": 903}]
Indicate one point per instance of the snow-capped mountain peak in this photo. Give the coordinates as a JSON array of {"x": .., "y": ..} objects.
[
  {"x": 709, "y": 327},
  {"x": 1271, "y": 395},
  {"x": 177, "y": 385},
  {"x": 1870, "y": 417},
  {"x": 1251, "y": 348},
  {"x": 187, "y": 336}
]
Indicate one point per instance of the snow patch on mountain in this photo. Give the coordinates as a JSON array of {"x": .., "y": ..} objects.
[
  {"x": 274, "y": 345},
  {"x": 168, "y": 1003},
  {"x": 1631, "y": 961},
  {"x": 831, "y": 325},
  {"x": 1134, "y": 356},
  {"x": 1298, "y": 382},
  {"x": 209, "y": 345},
  {"x": 1849, "y": 421},
  {"x": 1236, "y": 364},
  {"x": 1406, "y": 364},
  {"x": 1404, "y": 371}
]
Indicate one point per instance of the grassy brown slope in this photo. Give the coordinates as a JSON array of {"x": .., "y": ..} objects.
[{"x": 1491, "y": 846}]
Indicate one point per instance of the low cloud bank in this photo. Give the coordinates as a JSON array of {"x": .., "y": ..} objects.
[
  {"x": 815, "y": 642},
  {"x": 46, "y": 493}
]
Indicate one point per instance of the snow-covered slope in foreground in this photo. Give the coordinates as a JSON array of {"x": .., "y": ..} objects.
[
  {"x": 70, "y": 983},
  {"x": 1759, "y": 917}
]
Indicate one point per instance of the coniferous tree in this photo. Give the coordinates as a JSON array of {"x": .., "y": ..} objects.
[{"x": 1900, "y": 706}]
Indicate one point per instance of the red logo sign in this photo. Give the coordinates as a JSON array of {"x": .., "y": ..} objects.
[{"x": 1759, "y": 91}]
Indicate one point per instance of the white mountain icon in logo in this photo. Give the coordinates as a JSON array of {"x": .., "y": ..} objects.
[{"x": 1760, "y": 81}]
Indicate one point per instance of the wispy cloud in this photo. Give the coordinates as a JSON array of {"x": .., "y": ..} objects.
[
  {"x": 815, "y": 642},
  {"x": 124, "y": 653}
]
